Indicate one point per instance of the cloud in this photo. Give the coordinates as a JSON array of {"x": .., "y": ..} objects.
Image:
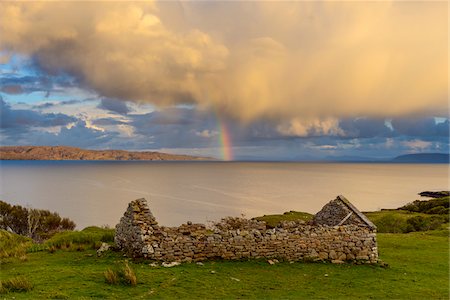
[
  {"x": 365, "y": 128},
  {"x": 79, "y": 135},
  {"x": 250, "y": 60},
  {"x": 114, "y": 105},
  {"x": 21, "y": 118},
  {"x": 417, "y": 145},
  {"x": 11, "y": 89},
  {"x": 207, "y": 133},
  {"x": 422, "y": 127},
  {"x": 316, "y": 127}
]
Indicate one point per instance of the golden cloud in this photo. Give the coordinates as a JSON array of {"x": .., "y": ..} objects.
[{"x": 282, "y": 60}]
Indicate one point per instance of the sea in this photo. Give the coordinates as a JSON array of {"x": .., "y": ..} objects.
[{"x": 98, "y": 192}]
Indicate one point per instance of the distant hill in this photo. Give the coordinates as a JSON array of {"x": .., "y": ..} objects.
[
  {"x": 423, "y": 158},
  {"x": 72, "y": 153}
]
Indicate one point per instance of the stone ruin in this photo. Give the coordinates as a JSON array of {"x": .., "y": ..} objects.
[{"x": 337, "y": 233}]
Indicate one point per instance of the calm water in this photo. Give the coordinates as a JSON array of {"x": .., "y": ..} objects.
[{"x": 97, "y": 193}]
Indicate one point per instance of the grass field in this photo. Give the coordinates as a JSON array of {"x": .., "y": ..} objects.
[{"x": 418, "y": 269}]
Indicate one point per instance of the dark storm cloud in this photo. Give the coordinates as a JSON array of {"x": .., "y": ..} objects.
[
  {"x": 11, "y": 89},
  {"x": 13, "y": 84},
  {"x": 420, "y": 127},
  {"x": 364, "y": 128},
  {"x": 114, "y": 105},
  {"x": 78, "y": 135},
  {"x": 14, "y": 118},
  {"x": 107, "y": 122},
  {"x": 62, "y": 103}
]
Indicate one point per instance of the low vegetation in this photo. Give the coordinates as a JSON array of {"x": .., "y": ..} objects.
[
  {"x": 434, "y": 206},
  {"x": 124, "y": 275},
  {"x": 273, "y": 220},
  {"x": 398, "y": 221},
  {"x": 418, "y": 269},
  {"x": 415, "y": 216},
  {"x": 89, "y": 238},
  {"x": 15, "y": 284},
  {"x": 13, "y": 245}
]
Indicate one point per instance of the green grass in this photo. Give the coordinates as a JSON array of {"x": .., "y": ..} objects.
[
  {"x": 90, "y": 237},
  {"x": 418, "y": 269},
  {"x": 12, "y": 245},
  {"x": 273, "y": 220}
]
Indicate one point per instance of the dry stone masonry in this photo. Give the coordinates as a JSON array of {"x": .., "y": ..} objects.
[{"x": 338, "y": 233}]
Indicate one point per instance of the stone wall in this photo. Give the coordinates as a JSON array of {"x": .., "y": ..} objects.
[{"x": 139, "y": 235}]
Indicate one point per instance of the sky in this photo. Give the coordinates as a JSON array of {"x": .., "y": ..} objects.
[{"x": 242, "y": 80}]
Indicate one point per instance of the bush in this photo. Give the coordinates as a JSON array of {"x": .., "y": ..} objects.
[
  {"x": 16, "y": 284},
  {"x": 35, "y": 223},
  {"x": 428, "y": 206},
  {"x": 391, "y": 223},
  {"x": 420, "y": 223},
  {"x": 438, "y": 210},
  {"x": 400, "y": 221}
]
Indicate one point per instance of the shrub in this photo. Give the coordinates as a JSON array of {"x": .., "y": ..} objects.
[
  {"x": 391, "y": 223},
  {"x": 16, "y": 284},
  {"x": 438, "y": 210},
  {"x": 35, "y": 223},
  {"x": 427, "y": 206},
  {"x": 420, "y": 223}
]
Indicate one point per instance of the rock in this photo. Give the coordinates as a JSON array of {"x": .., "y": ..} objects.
[
  {"x": 103, "y": 248},
  {"x": 154, "y": 265},
  {"x": 323, "y": 255},
  {"x": 337, "y": 261},
  {"x": 170, "y": 265},
  {"x": 332, "y": 254},
  {"x": 435, "y": 194},
  {"x": 313, "y": 253}
]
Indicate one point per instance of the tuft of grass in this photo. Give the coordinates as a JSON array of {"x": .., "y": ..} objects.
[
  {"x": 128, "y": 275},
  {"x": 13, "y": 245},
  {"x": 274, "y": 220},
  {"x": 16, "y": 284},
  {"x": 125, "y": 275},
  {"x": 111, "y": 276}
]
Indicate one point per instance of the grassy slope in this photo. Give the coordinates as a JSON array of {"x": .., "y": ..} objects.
[
  {"x": 418, "y": 270},
  {"x": 273, "y": 220}
]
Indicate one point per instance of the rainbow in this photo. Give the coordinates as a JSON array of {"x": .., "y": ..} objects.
[{"x": 225, "y": 140}]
